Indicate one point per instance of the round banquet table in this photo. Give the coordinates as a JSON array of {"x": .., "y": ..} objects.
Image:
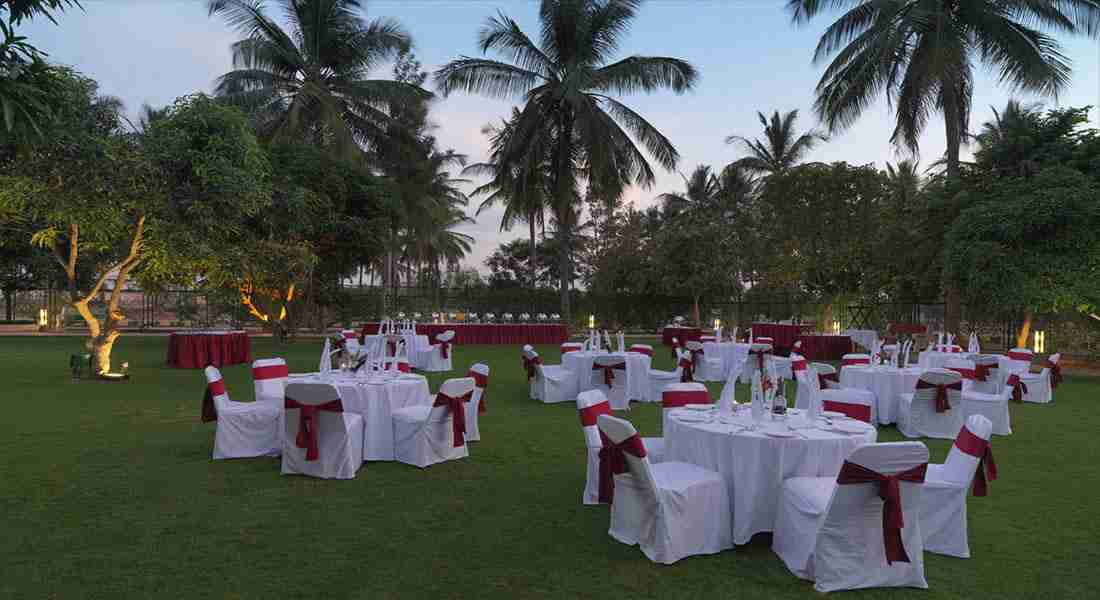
[
  {"x": 200, "y": 349},
  {"x": 754, "y": 464},
  {"x": 682, "y": 334},
  {"x": 934, "y": 359},
  {"x": 415, "y": 346},
  {"x": 886, "y": 383},
  {"x": 637, "y": 371},
  {"x": 733, "y": 355},
  {"x": 376, "y": 402}
]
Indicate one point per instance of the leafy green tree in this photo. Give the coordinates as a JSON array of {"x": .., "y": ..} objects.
[
  {"x": 310, "y": 80},
  {"x": 569, "y": 116}
]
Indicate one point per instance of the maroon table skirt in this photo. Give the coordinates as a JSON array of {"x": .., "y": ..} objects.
[
  {"x": 783, "y": 336},
  {"x": 684, "y": 334},
  {"x": 825, "y": 347},
  {"x": 488, "y": 333},
  {"x": 200, "y": 350}
]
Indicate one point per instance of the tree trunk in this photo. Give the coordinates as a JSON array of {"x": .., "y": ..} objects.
[
  {"x": 531, "y": 249},
  {"x": 953, "y": 126},
  {"x": 695, "y": 311},
  {"x": 1025, "y": 331},
  {"x": 9, "y": 305},
  {"x": 563, "y": 200}
]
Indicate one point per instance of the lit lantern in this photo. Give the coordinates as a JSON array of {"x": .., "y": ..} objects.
[
  {"x": 43, "y": 317},
  {"x": 591, "y": 321},
  {"x": 836, "y": 327},
  {"x": 717, "y": 323},
  {"x": 1040, "y": 342}
]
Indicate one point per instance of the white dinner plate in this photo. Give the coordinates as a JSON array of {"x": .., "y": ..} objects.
[
  {"x": 849, "y": 427},
  {"x": 698, "y": 407},
  {"x": 779, "y": 433},
  {"x": 688, "y": 417},
  {"x": 832, "y": 414}
]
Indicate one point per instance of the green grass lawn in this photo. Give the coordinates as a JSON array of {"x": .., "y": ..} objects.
[{"x": 108, "y": 491}]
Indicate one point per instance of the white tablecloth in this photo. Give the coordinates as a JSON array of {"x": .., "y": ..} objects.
[
  {"x": 376, "y": 402},
  {"x": 863, "y": 337},
  {"x": 886, "y": 383},
  {"x": 936, "y": 360},
  {"x": 637, "y": 371},
  {"x": 754, "y": 464},
  {"x": 732, "y": 354}
]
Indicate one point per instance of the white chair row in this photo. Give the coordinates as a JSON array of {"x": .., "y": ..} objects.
[{"x": 306, "y": 424}]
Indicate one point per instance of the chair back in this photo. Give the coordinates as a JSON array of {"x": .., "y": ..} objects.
[
  {"x": 852, "y": 403},
  {"x": 676, "y": 395},
  {"x": 619, "y": 430},
  {"x": 964, "y": 367},
  {"x": 446, "y": 336},
  {"x": 823, "y": 368},
  {"x": 855, "y": 359},
  {"x": 763, "y": 340},
  {"x": 852, "y": 530},
  {"x": 568, "y": 347},
  {"x": 960, "y": 467},
  {"x": 269, "y": 379},
  {"x": 215, "y": 384},
  {"x": 642, "y": 349},
  {"x": 923, "y": 408},
  {"x": 1020, "y": 359},
  {"x": 590, "y": 405},
  {"x": 455, "y": 388}
]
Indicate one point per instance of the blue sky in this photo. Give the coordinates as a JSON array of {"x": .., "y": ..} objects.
[{"x": 748, "y": 53}]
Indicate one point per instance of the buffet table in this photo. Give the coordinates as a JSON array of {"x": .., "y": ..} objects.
[
  {"x": 684, "y": 334},
  {"x": 783, "y": 335},
  {"x": 825, "y": 347},
  {"x": 492, "y": 333},
  {"x": 200, "y": 349}
]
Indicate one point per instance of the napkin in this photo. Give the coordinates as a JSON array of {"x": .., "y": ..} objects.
[
  {"x": 974, "y": 346},
  {"x": 326, "y": 357}
]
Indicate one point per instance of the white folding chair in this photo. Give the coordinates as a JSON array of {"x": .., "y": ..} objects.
[
  {"x": 590, "y": 405},
  {"x": 987, "y": 375},
  {"x": 609, "y": 376},
  {"x": 672, "y": 510},
  {"x": 943, "y": 500},
  {"x": 1039, "y": 388},
  {"x": 555, "y": 382},
  {"x": 921, "y": 413},
  {"x": 759, "y": 354},
  {"x": 321, "y": 440},
  {"x": 994, "y": 407},
  {"x": 426, "y": 435},
  {"x": 244, "y": 429},
  {"x": 437, "y": 359},
  {"x": 660, "y": 379},
  {"x": 832, "y": 531},
  {"x": 853, "y": 403},
  {"x": 1019, "y": 360},
  {"x": 269, "y": 377},
  {"x": 708, "y": 367},
  {"x": 479, "y": 372},
  {"x": 826, "y": 374}
]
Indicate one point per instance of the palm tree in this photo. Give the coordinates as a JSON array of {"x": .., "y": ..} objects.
[
  {"x": 521, "y": 189},
  {"x": 567, "y": 82},
  {"x": 702, "y": 190},
  {"x": 311, "y": 79},
  {"x": 904, "y": 181},
  {"x": 781, "y": 148},
  {"x": 921, "y": 55}
]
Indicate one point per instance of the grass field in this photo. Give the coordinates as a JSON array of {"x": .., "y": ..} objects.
[{"x": 108, "y": 491}]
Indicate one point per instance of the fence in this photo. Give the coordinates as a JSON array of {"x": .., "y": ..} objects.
[{"x": 1079, "y": 335}]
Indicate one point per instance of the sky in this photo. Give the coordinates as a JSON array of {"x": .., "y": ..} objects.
[{"x": 749, "y": 55}]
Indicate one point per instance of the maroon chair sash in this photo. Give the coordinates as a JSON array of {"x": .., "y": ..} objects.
[
  {"x": 861, "y": 412},
  {"x": 966, "y": 373},
  {"x": 444, "y": 349},
  {"x": 391, "y": 347},
  {"x": 1055, "y": 374},
  {"x": 676, "y": 399},
  {"x": 613, "y": 462},
  {"x": 640, "y": 350},
  {"x": 687, "y": 370},
  {"x": 1020, "y": 356},
  {"x": 458, "y": 415},
  {"x": 968, "y": 443},
  {"x": 480, "y": 381},
  {"x": 590, "y": 414},
  {"x": 609, "y": 371},
  {"x": 798, "y": 365},
  {"x": 889, "y": 489},
  {"x": 824, "y": 378},
  {"x": 759, "y": 354},
  {"x": 270, "y": 372},
  {"x": 1019, "y": 388},
  {"x": 942, "y": 403},
  {"x": 307, "y": 423},
  {"x": 209, "y": 409},
  {"x": 849, "y": 362},
  {"x": 983, "y": 371}
]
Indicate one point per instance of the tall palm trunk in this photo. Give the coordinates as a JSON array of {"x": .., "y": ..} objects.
[
  {"x": 953, "y": 126},
  {"x": 531, "y": 246},
  {"x": 563, "y": 197}
]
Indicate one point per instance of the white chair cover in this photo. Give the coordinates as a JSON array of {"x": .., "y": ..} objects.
[
  {"x": 1039, "y": 389},
  {"x": 479, "y": 372},
  {"x": 832, "y": 534},
  {"x": 659, "y": 379},
  {"x": 671, "y": 510},
  {"x": 424, "y": 435},
  {"x": 244, "y": 429},
  {"x": 590, "y": 405},
  {"x": 678, "y": 395},
  {"x": 269, "y": 379},
  {"x": 917, "y": 414},
  {"x": 339, "y": 435},
  {"x": 326, "y": 357},
  {"x": 616, "y": 393},
  {"x": 943, "y": 500},
  {"x": 433, "y": 359},
  {"x": 555, "y": 382},
  {"x": 707, "y": 368},
  {"x": 994, "y": 407}
]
